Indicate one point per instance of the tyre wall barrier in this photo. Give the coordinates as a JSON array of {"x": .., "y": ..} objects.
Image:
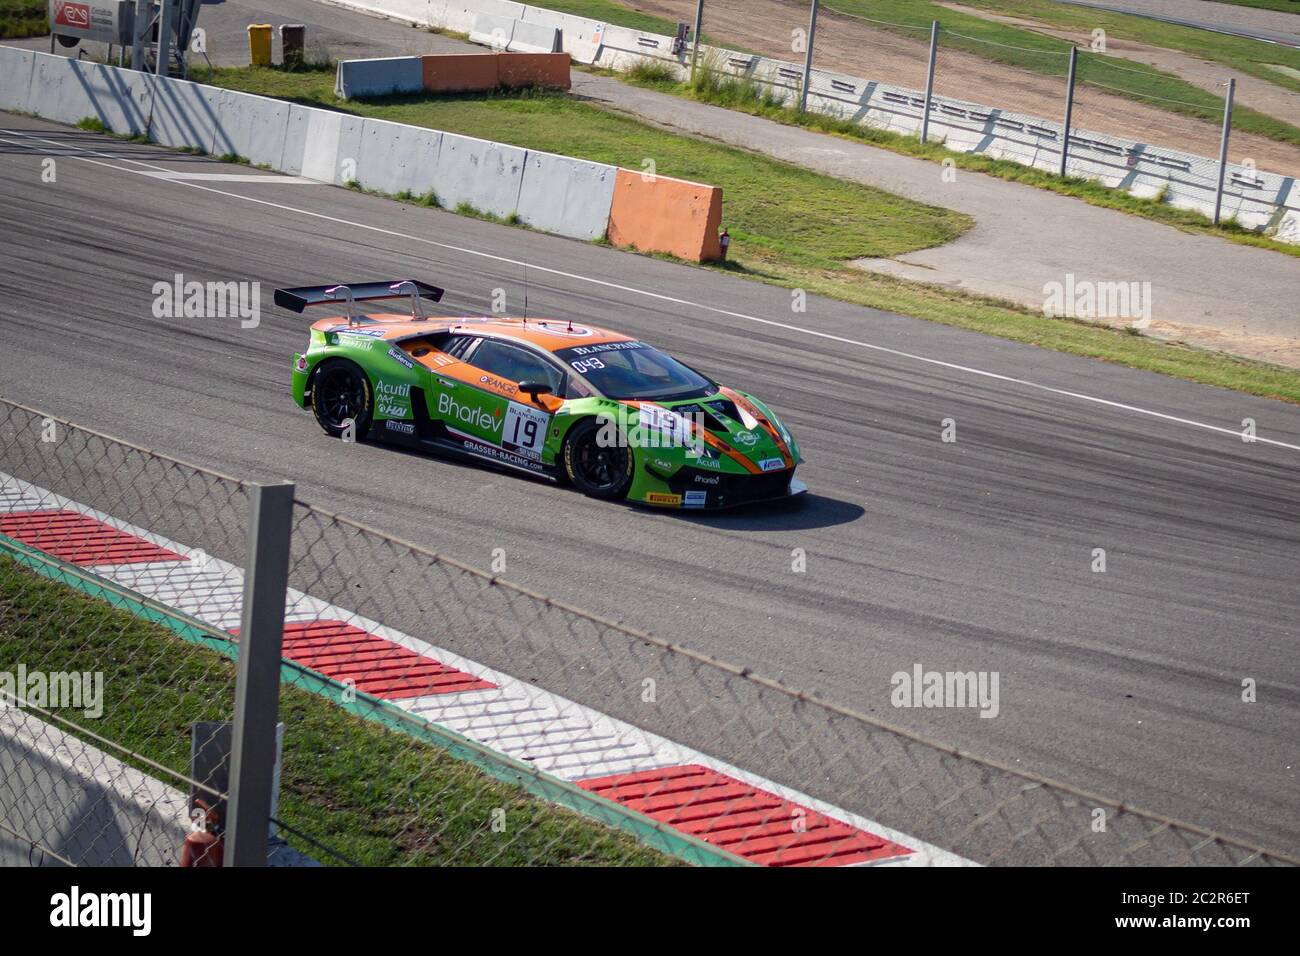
[
  {"x": 382, "y": 76},
  {"x": 659, "y": 214}
]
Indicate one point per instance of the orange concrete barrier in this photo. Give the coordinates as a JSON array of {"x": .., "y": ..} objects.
[
  {"x": 533, "y": 69},
  {"x": 476, "y": 72},
  {"x": 459, "y": 72},
  {"x": 659, "y": 214}
]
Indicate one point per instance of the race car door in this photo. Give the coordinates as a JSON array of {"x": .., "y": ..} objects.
[{"x": 495, "y": 411}]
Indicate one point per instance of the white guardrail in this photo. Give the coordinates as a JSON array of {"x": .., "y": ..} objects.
[
  {"x": 555, "y": 194},
  {"x": 1258, "y": 200}
]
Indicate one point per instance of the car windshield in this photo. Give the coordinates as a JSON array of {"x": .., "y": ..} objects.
[{"x": 634, "y": 370}]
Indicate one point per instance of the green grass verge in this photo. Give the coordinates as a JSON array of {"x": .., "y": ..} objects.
[
  {"x": 377, "y": 796},
  {"x": 777, "y": 210},
  {"x": 791, "y": 227},
  {"x": 23, "y": 18}
]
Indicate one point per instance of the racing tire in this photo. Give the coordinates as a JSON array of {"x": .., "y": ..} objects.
[
  {"x": 596, "y": 471},
  {"x": 340, "y": 392}
]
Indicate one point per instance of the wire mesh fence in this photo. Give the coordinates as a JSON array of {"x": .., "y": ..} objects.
[
  {"x": 435, "y": 713},
  {"x": 1149, "y": 125}
]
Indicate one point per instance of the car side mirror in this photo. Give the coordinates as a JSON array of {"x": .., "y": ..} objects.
[{"x": 533, "y": 389}]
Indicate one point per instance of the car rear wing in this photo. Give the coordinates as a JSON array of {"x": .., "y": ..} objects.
[{"x": 296, "y": 300}]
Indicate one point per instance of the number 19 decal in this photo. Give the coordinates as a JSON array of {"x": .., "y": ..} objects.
[{"x": 525, "y": 430}]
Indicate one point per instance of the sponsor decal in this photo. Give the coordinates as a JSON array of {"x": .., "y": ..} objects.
[
  {"x": 604, "y": 347},
  {"x": 491, "y": 381},
  {"x": 404, "y": 428},
  {"x": 392, "y": 401},
  {"x": 467, "y": 414},
  {"x": 654, "y": 498},
  {"x": 75, "y": 15},
  {"x": 357, "y": 330},
  {"x": 695, "y": 499},
  {"x": 747, "y": 439},
  {"x": 708, "y": 479},
  {"x": 771, "y": 464},
  {"x": 397, "y": 355},
  {"x": 489, "y": 451}
]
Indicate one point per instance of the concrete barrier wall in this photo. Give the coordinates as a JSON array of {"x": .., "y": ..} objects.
[
  {"x": 484, "y": 174},
  {"x": 557, "y": 194},
  {"x": 659, "y": 214},
  {"x": 534, "y": 38},
  {"x": 579, "y": 36},
  {"x": 460, "y": 72},
  {"x": 515, "y": 70},
  {"x": 72, "y": 90},
  {"x": 569, "y": 197},
  {"x": 493, "y": 31},
  {"x": 81, "y": 802},
  {"x": 451, "y": 73},
  {"x": 16, "y": 68},
  {"x": 382, "y": 76},
  {"x": 395, "y": 158}
]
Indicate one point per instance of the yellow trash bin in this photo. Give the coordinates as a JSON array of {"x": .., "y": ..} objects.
[{"x": 259, "y": 44}]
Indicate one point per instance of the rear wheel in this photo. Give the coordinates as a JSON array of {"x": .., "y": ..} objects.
[
  {"x": 340, "y": 395},
  {"x": 596, "y": 468}
]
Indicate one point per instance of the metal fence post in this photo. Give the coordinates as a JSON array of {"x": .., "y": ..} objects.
[
  {"x": 143, "y": 10},
  {"x": 162, "y": 67},
  {"x": 929, "y": 80},
  {"x": 1069, "y": 108},
  {"x": 257, "y": 687},
  {"x": 695, "y": 37},
  {"x": 808, "y": 58},
  {"x": 1223, "y": 147}
]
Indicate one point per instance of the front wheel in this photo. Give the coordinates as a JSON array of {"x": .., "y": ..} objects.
[
  {"x": 340, "y": 395},
  {"x": 597, "y": 468}
]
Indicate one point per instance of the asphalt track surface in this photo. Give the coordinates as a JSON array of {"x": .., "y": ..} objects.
[{"x": 973, "y": 555}]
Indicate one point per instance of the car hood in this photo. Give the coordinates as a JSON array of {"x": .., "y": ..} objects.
[{"x": 735, "y": 425}]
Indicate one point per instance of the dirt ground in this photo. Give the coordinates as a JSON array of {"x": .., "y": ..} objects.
[
  {"x": 1258, "y": 94},
  {"x": 851, "y": 46}
]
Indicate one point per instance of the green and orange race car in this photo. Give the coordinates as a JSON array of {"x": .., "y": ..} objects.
[{"x": 613, "y": 416}]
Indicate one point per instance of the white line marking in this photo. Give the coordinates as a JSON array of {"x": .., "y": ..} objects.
[
  {"x": 997, "y": 376},
  {"x": 227, "y": 177}
]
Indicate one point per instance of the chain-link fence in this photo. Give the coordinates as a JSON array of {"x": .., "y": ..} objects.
[{"x": 435, "y": 714}]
